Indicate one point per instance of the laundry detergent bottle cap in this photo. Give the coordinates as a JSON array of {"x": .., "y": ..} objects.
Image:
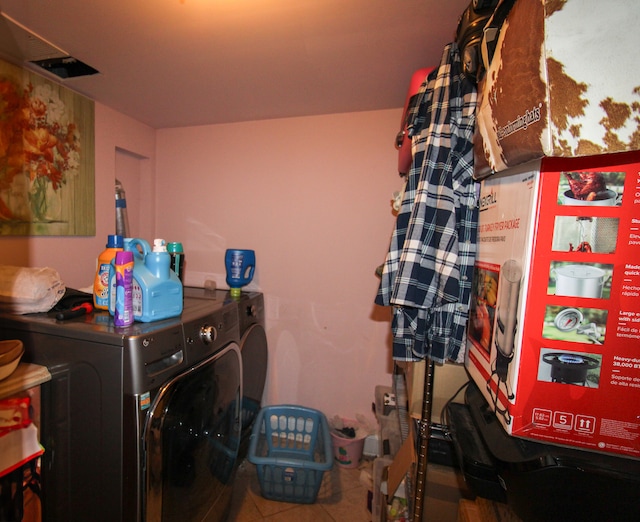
[
  {"x": 159, "y": 245},
  {"x": 115, "y": 241},
  {"x": 176, "y": 248},
  {"x": 159, "y": 261}
]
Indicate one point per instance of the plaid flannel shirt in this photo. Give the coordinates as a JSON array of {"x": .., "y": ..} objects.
[{"x": 428, "y": 271}]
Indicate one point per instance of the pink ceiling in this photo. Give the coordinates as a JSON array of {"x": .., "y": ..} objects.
[{"x": 170, "y": 63}]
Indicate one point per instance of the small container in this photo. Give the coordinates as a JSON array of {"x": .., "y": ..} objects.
[
  {"x": 347, "y": 451},
  {"x": 240, "y": 265},
  {"x": 123, "y": 315},
  {"x": 177, "y": 259}
]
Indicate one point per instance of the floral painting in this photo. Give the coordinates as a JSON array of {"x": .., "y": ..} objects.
[{"x": 46, "y": 157}]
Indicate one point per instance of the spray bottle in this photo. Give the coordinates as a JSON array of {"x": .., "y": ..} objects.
[{"x": 123, "y": 315}]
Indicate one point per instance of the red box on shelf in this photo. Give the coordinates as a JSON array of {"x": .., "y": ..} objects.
[{"x": 554, "y": 329}]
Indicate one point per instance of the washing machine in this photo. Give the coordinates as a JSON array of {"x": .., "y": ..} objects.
[
  {"x": 139, "y": 424},
  {"x": 252, "y": 340}
]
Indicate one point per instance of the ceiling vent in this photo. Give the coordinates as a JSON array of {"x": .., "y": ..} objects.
[
  {"x": 65, "y": 67},
  {"x": 21, "y": 45}
]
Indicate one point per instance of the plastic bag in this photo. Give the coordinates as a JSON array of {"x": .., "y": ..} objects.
[{"x": 25, "y": 290}]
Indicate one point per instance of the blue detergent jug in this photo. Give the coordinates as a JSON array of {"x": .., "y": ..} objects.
[
  {"x": 157, "y": 290},
  {"x": 240, "y": 265}
]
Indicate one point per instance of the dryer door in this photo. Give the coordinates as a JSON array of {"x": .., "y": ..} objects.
[
  {"x": 253, "y": 346},
  {"x": 192, "y": 437}
]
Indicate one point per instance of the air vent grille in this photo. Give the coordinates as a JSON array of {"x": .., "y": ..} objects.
[
  {"x": 20, "y": 44},
  {"x": 65, "y": 67}
]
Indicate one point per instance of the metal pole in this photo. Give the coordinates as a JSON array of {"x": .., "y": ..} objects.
[{"x": 423, "y": 442}]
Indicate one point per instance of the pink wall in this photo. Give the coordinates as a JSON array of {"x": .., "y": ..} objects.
[
  {"x": 312, "y": 197},
  {"x": 75, "y": 257}
]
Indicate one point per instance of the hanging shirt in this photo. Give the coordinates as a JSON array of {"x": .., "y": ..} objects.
[{"x": 428, "y": 271}]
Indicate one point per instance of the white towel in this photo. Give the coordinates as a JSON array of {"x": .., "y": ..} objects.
[{"x": 25, "y": 290}]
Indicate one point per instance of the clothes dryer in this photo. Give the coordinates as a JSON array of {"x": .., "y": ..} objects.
[
  {"x": 252, "y": 340},
  {"x": 254, "y": 350}
]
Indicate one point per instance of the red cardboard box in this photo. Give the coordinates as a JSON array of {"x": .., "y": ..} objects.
[{"x": 554, "y": 328}]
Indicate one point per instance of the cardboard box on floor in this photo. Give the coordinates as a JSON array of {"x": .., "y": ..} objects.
[
  {"x": 560, "y": 84},
  {"x": 554, "y": 328},
  {"x": 402, "y": 464}
]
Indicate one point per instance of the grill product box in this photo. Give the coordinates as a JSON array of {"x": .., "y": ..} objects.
[
  {"x": 554, "y": 330},
  {"x": 558, "y": 83}
]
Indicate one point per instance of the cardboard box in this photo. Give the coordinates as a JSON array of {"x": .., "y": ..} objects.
[
  {"x": 559, "y": 84},
  {"x": 554, "y": 330}
]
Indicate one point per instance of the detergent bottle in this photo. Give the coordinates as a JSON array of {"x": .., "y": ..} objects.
[
  {"x": 157, "y": 291},
  {"x": 104, "y": 270},
  {"x": 176, "y": 251},
  {"x": 240, "y": 265}
]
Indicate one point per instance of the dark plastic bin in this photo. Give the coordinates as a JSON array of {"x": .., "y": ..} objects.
[{"x": 291, "y": 448}]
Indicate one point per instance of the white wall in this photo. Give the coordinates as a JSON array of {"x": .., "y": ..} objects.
[{"x": 312, "y": 197}]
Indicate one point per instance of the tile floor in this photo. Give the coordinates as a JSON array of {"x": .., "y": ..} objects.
[{"x": 342, "y": 497}]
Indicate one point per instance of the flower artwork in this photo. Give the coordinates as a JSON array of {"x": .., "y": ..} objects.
[{"x": 46, "y": 157}]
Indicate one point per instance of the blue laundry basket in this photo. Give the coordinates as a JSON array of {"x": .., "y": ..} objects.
[{"x": 291, "y": 448}]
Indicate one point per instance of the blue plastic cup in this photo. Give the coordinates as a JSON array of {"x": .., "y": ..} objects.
[{"x": 240, "y": 265}]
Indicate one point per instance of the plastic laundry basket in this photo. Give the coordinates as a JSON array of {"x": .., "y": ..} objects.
[{"x": 291, "y": 448}]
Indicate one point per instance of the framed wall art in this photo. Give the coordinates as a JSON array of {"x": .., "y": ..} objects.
[{"x": 47, "y": 157}]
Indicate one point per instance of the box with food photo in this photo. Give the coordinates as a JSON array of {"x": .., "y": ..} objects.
[{"x": 554, "y": 324}]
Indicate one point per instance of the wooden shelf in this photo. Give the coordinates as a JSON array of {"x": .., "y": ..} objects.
[{"x": 25, "y": 376}]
